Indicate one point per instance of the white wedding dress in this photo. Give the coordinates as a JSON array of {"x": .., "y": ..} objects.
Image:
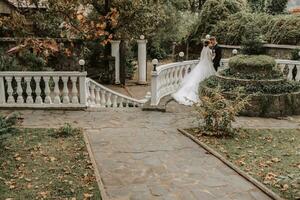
[{"x": 188, "y": 92}]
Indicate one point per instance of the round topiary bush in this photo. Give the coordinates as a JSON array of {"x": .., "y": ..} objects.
[{"x": 252, "y": 64}]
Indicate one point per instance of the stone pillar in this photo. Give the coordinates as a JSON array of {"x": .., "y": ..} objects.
[
  {"x": 2, "y": 91},
  {"x": 154, "y": 89},
  {"x": 83, "y": 89},
  {"x": 115, "y": 52},
  {"x": 142, "y": 61}
]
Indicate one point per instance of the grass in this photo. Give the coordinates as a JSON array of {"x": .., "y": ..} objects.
[
  {"x": 270, "y": 156},
  {"x": 36, "y": 165}
]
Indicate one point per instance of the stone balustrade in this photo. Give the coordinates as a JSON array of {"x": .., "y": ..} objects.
[
  {"x": 288, "y": 67},
  {"x": 100, "y": 96},
  {"x": 167, "y": 78},
  {"x": 42, "y": 89}
]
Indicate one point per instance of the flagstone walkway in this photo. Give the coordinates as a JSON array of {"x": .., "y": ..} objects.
[{"x": 140, "y": 155}]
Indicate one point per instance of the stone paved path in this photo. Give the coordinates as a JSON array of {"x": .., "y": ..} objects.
[{"x": 140, "y": 155}]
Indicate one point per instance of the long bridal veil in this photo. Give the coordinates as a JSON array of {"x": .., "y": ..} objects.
[{"x": 188, "y": 92}]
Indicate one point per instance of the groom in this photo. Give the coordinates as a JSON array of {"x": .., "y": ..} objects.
[{"x": 217, "y": 52}]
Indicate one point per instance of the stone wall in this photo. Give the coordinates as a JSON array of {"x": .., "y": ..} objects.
[{"x": 276, "y": 51}]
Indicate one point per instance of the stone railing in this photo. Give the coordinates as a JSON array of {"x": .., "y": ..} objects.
[
  {"x": 42, "y": 89},
  {"x": 167, "y": 78},
  {"x": 100, "y": 96},
  {"x": 286, "y": 66},
  {"x": 58, "y": 90}
]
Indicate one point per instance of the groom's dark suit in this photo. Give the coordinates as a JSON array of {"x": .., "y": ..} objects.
[{"x": 218, "y": 55}]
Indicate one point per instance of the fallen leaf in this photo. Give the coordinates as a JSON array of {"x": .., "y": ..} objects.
[
  {"x": 285, "y": 187},
  {"x": 52, "y": 159},
  {"x": 276, "y": 160},
  {"x": 87, "y": 195}
]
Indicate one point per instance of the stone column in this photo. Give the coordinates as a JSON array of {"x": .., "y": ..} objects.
[
  {"x": 142, "y": 61},
  {"x": 2, "y": 91},
  {"x": 115, "y": 52},
  {"x": 154, "y": 89},
  {"x": 83, "y": 89}
]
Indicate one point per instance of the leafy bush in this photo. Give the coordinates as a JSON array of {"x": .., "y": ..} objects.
[
  {"x": 252, "y": 63},
  {"x": 253, "y": 45},
  {"x": 295, "y": 54},
  {"x": 31, "y": 62},
  {"x": 238, "y": 26},
  {"x": 214, "y": 11},
  {"x": 65, "y": 131},
  {"x": 275, "y": 6},
  {"x": 7, "y": 125},
  {"x": 274, "y": 74},
  {"x": 218, "y": 112},
  {"x": 257, "y": 5},
  {"x": 282, "y": 29},
  {"x": 278, "y": 29},
  {"x": 287, "y": 87},
  {"x": 9, "y": 63}
]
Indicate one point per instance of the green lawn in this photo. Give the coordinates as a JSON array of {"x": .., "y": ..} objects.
[
  {"x": 270, "y": 156},
  {"x": 36, "y": 165}
]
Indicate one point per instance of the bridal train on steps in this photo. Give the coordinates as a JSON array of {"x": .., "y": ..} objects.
[{"x": 188, "y": 92}]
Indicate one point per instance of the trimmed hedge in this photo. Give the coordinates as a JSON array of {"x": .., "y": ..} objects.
[
  {"x": 282, "y": 88},
  {"x": 251, "y": 63}
]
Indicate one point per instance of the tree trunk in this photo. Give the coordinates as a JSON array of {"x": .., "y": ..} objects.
[{"x": 123, "y": 52}]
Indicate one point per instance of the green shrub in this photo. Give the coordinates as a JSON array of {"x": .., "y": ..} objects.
[
  {"x": 274, "y": 74},
  {"x": 295, "y": 54},
  {"x": 7, "y": 125},
  {"x": 9, "y": 63},
  {"x": 253, "y": 45},
  {"x": 276, "y": 6},
  {"x": 218, "y": 112},
  {"x": 65, "y": 131},
  {"x": 287, "y": 87},
  {"x": 214, "y": 11},
  {"x": 278, "y": 29},
  {"x": 252, "y": 63},
  {"x": 257, "y": 5},
  {"x": 31, "y": 62},
  {"x": 238, "y": 26},
  {"x": 282, "y": 29}
]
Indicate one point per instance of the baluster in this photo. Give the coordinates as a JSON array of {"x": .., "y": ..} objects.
[
  {"x": 29, "y": 99},
  {"x": 88, "y": 93},
  {"x": 10, "y": 90},
  {"x": 169, "y": 79},
  {"x": 290, "y": 74},
  {"x": 109, "y": 100},
  {"x": 121, "y": 102},
  {"x": 56, "y": 90},
  {"x": 180, "y": 74},
  {"x": 175, "y": 79},
  {"x": 166, "y": 89},
  {"x": 38, "y": 90},
  {"x": 98, "y": 99},
  {"x": 115, "y": 101},
  {"x": 20, "y": 99},
  {"x": 127, "y": 103},
  {"x": 66, "y": 98},
  {"x": 74, "y": 90},
  {"x": 92, "y": 94},
  {"x": 297, "y": 78},
  {"x": 103, "y": 99},
  {"x": 47, "y": 90}
]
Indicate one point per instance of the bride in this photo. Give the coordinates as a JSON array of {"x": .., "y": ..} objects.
[{"x": 188, "y": 91}]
